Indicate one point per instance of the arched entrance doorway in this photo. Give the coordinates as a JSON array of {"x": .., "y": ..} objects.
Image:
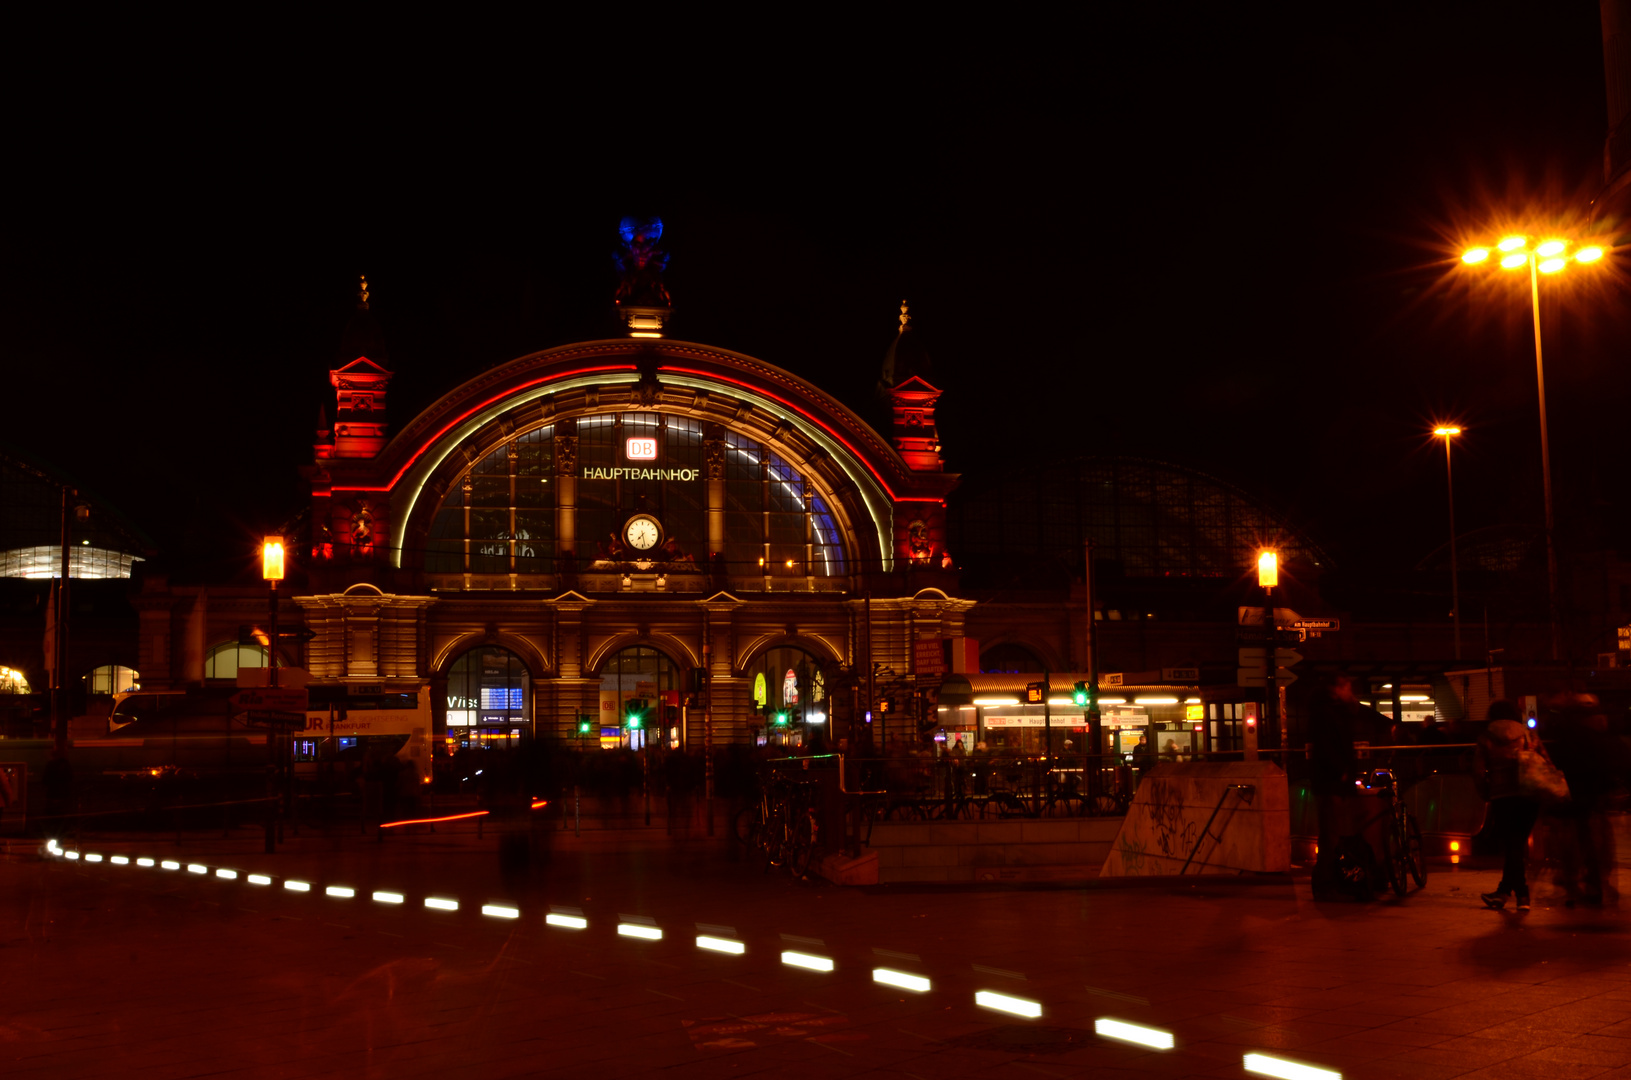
[
  {"x": 640, "y": 700},
  {"x": 788, "y": 692},
  {"x": 489, "y": 699}
]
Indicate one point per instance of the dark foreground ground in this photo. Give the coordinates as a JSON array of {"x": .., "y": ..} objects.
[{"x": 119, "y": 970}]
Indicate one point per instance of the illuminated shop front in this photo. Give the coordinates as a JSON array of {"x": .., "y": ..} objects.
[{"x": 993, "y": 709}]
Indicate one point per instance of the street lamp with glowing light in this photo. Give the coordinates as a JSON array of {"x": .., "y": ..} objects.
[
  {"x": 1447, "y": 433},
  {"x": 1268, "y": 570},
  {"x": 1549, "y": 256}
]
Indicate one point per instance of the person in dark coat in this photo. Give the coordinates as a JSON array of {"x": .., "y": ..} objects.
[
  {"x": 1591, "y": 761},
  {"x": 1511, "y": 815}
]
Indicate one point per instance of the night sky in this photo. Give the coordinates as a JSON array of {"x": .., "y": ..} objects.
[{"x": 1220, "y": 243}]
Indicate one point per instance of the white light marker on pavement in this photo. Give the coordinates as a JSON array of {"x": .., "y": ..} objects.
[
  {"x": 720, "y": 944},
  {"x": 639, "y": 930},
  {"x": 902, "y": 979},
  {"x": 144, "y": 862},
  {"x": 1133, "y": 1033},
  {"x": 197, "y": 868},
  {"x": 169, "y": 864},
  {"x": 793, "y": 958},
  {"x": 440, "y": 904},
  {"x": 71, "y": 854},
  {"x": 297, "y": 886},
  {"x": 120, "y": 860},
  {"x": 93, "y": 858},
  {"x": 344, "y": 892},
  {"x": 990, "y": 999},
  {"x": 569, "y": 922},
  {"x": 227, "y": 875},
  {"x": 388, "y": 898},
  {"x": 259, "y": 879},
  {"x": 501, "y": 911},
  {"x": 1264, "y": 1065}
]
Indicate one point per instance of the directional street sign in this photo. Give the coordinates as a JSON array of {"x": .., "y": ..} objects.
[
  {"x": 272, "y": 699},
  {"x": 1284, "y": 661},
  {"x": 1253, "y": 668}
]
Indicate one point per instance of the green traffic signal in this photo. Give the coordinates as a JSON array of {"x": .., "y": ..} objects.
[
  {"x": 781, "y": 719},
  {"x": 1080, "y": 694},
  {"x": 634, "y": 721}
]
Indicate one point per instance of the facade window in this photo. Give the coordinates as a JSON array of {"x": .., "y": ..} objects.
[
  {"x": 489, "y": 697},
  {"x": 223, "y": 661},
  {"x": 643, "y": 682},
  {"x": 499, "y": 517},
  {"x": 113, "y": 679},
  {"x": 790, "y": 682},
  {"x": 46, "y": 562}
]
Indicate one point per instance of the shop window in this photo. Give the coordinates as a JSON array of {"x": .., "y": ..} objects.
[
  {"x": 788, "y": 681},
  {"x": 489, "y": 693},
  {"x": 113, "y": 679},
  {"x": 12, "y": 682},
  {"x": 223, "y": 661}
]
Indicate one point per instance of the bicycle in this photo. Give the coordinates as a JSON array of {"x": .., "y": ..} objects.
[{"x": 1402, "y": 857}]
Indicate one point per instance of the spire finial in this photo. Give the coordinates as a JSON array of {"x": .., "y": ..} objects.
[
  {"x": 362, "y": 293},
  {"x": 905, "y": 317}
]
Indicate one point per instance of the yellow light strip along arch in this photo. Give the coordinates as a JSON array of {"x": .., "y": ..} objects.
[{"x": 406, "y": 495}]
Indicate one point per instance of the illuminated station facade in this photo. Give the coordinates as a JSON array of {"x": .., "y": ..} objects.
[{"x": 633, "y": 541}]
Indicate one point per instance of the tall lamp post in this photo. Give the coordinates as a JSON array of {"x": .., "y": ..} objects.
[
  {"x": 279, "y": 749},
  {"x": 1268, "y": 576},
  {"x": 1448, "y": 434},
  {"x": 1549, "y": 256}
]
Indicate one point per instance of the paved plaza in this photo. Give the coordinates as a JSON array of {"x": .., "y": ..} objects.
[{"x": 147, "y": 972}]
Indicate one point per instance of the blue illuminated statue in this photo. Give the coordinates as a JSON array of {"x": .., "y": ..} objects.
[{"x": 640, "y": 264}]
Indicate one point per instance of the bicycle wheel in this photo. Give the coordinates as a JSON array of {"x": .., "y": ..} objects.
[
  {"x": 1415, "y": 859},
  {"x": 1395, "y": 853}
]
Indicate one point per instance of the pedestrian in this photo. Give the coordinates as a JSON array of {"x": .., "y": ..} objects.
[
  {"x": 1511, "y": 813},
  {"x": 1330, "y": 778},
  {"x": 1591, "y": 761}
]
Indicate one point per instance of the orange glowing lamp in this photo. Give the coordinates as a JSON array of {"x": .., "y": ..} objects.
[
  {"x": 272, "y": 558},
  {"x": 1268, "y": 570}
]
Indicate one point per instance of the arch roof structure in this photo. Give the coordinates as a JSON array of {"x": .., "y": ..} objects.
[
  {"x": 866, "y": 476},
  {"x": 1156, "y": 519}
]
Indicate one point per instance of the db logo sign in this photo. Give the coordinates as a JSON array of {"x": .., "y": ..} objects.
[{"x": 642, "y": 449}]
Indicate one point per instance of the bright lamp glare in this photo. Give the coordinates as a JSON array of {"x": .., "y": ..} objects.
[
  {"x": 1475, "y": 255},
  {"x": 1264, "y": 1065},
  {"x": 1446, "y": 431},
  {"x": 990, "y": 999},
  {"x": 1552, "y": 266},
  {"x": 901, "y": 979},
  {"x": 1549, "y": 248},
  {"x": 1589, "y": 254},
  {"x": 719, "y": 944},
  {"x": 1115, "y": 1029},
  {"x": 1512, "y": 262},
  {"x": 1511, "y": 243},
  {"x": 1268, "y": 570}
]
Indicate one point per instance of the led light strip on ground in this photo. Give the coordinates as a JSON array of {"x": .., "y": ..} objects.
[
  {"x": 341, "y": 891},
  {"x": 719, "y": 944},
  {"x": 1263, "y": 1065},
  {"x": 1133, "y": 1033},
  {"x": 793, "y": 958},
  {"x": 501, "y": 911},
  {"x": 565, "y": 921},
  {"x": 902, "y": 979},
  {"x": 1014, "y": 1006},
  {"x": 640, "y": 930}
]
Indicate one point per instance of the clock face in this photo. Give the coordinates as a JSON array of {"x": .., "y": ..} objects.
[{"x": 642, "y": 533}]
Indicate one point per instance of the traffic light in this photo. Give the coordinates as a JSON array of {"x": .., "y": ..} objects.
[
  {"x": 781, "y": 719},
  {"x": 635, "y": 718},
  {"x": 1080, "y": 696},
  {"x": 586, "y": 724}
]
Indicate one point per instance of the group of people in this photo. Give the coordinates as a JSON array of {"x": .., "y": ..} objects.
[{"x": 1551, "y": 777}]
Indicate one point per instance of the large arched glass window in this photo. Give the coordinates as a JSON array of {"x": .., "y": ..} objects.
[
  {"x": 489, "y": 697},
  {"x": 644, "y": 683},
  {"x": 223, "y": 661},
  {"x": 499, "y": 518}
]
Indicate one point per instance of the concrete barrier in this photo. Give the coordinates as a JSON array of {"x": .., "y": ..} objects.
[
  {"x": 1016, "y": 850},
  {"x": 1225, "y": 817}
]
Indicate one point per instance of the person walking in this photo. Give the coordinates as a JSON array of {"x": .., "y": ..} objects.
[{"x": 1511, "y": 814}]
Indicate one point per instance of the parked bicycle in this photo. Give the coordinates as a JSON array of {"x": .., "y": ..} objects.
[
  {"x": 1401, "y": 859},
  {"x": 782, "y": 824}
]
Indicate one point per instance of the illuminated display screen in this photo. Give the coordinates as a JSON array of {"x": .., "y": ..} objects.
[
  {"x": 498, "y": 697},
  {"x": 642, "y": 448}
]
